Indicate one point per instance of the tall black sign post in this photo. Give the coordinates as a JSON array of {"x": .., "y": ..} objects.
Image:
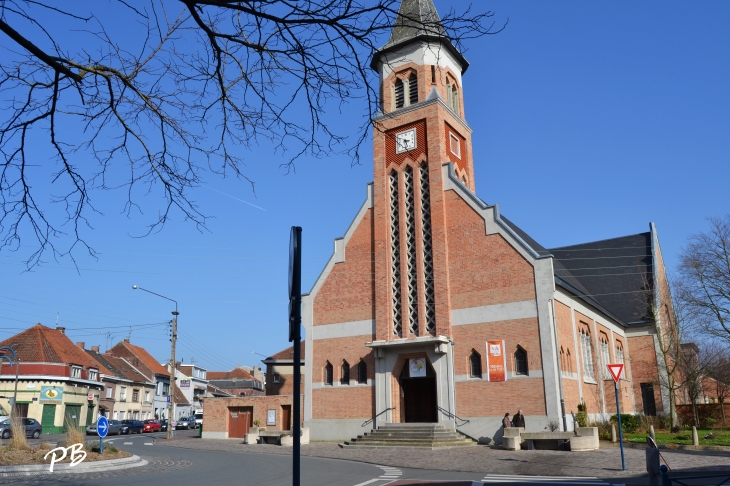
[{"x": 295, "y": 336}]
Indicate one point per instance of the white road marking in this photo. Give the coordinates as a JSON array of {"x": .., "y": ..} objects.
[
  {"x": 389, "y": 475},
  {"x": 129, "y": 443}
]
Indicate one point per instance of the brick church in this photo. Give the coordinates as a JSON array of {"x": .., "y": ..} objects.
[{"x": 434, "y": 305}]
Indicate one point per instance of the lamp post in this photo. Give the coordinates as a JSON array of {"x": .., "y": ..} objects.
[{"x": 171, "y": 407}]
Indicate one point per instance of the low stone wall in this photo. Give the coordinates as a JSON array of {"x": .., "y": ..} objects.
[{"x": 586, "y": 440}]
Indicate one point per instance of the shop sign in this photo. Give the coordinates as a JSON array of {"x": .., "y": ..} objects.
[
  {"x": 496, "y": 361},
  {"x": 185, "y": 384},
  {"x": 52, "y": 395}
]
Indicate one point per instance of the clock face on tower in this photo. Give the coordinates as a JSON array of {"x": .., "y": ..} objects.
[{"x": 405, "y": 141}]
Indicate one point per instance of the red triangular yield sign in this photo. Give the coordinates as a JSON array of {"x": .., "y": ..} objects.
[{"x": 616, "y": 370}]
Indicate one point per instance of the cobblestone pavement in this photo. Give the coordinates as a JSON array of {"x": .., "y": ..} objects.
[{"x": 483, "y": 459}]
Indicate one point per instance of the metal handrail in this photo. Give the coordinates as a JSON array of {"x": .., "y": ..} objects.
[
  {"x": 451, "y": 415},
  {"x": 378, "y": 415}
]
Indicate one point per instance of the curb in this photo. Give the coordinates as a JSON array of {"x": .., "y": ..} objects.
[
  {"x": 96, "y": 466},
  {"x": 669, "y": 447}
]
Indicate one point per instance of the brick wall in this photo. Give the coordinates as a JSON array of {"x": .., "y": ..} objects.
[
  {"x": 216, "y": 414},
  {"x": 644, "y": 369},
  {"x": 342, "y": 401}
]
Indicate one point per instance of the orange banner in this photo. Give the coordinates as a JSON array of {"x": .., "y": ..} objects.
[{"x": 496, "y": 361}]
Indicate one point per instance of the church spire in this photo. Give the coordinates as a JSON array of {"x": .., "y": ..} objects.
[{"x": 418, "y": 20}]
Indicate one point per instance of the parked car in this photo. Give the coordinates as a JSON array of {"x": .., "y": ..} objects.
[
  {"x": 115, "y": 427},
  {"x": 152, "y": 426},
  {"x": 198, "y": 419},
  {"x": 132, "y": 427},
  {"x": 185, "y": 423},
  {"x": 32, "y": 428},
  {"x": 163, "y": 425}
]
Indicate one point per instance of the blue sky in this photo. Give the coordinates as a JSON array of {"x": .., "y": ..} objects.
[{"x": 590, "y": 120}]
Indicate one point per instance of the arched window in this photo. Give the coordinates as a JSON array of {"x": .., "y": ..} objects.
[
  {"x": 362, "y": 372},
  {"x": 452, "y": 96},
  {"x": 399, "y": 96},
  {"x": 413, "y": 89},
  {"x": 563, "y": 368},
  {"x": 521, "y": 361},
  {"x": 619, "y": 353},
  {"x": 569, "y": 361},
  {"x": 345, "y": 373},
  {"x": 605, "y": 357},
  {"x": 475, "y": 365},
  {"x": 587, "y": 354},
  {"x": 328, "y": 373}
]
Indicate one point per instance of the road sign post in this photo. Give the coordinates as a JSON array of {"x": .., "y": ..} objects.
[
  {"x": 102, "y": 429},
  {"x": 295, "y": 336},
  {"x": 616, "y": 370}
]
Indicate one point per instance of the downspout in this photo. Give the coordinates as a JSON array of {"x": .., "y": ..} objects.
[{"x": 560, "y": 371}]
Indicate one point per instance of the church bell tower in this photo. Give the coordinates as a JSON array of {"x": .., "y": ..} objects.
[{"x": 421, "y": 127}]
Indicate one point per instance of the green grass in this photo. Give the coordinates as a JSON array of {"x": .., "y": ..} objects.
[{"x": 684, "y": 437}]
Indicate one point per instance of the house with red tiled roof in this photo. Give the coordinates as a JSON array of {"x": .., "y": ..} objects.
[
  {"x": 280, "y": 372},
  {"x": 237, "y": 382},
  {"x": 152, "y": 370},
  {"x": 128, "y": 393},
  {"x": 58, "y": 383}
]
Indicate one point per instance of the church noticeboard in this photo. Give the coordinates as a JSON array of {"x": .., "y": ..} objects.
[
  {"x": 417, "y": 367},
  {"x": 496, "y": 361},
  {"x": 51, "y": 395}
]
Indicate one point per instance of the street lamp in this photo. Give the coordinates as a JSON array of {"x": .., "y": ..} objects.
[{"x": 171, "y": 396}]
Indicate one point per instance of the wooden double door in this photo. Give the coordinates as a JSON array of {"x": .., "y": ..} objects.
[
  {"x": 418, "y": 397},
  {"x": 240, "y": 420}
]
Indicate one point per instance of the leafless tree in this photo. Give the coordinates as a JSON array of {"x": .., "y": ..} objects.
[
  {"x": 705, "y": 283},
  {"x": 719, "y": 372},
  {"x": 150, "y": 97}
]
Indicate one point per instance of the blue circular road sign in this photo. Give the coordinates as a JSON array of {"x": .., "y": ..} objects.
[{"x": 102, "y": 427}]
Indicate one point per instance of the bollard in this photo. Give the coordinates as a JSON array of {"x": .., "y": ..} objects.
[
  {"x": 695, "y": 437},
  {"x": 200, "y": 431},
  {"x": 613, "y": 433},
  {"x": 651, "y": 433},
  {"x": 652, "y": 466},
  {"x": 665, "y": 475}
]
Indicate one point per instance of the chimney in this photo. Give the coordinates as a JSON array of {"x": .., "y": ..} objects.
[
  {"x": 81, "y": 344},
  {"x": 95, "y": 349},
  {"x": 62, "y": 329},
  {"x": 126, "y": 340}
]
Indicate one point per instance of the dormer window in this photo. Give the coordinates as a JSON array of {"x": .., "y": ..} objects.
[
  {"x": 93, "y": 375},
  {"x": 75, "y": 372}
]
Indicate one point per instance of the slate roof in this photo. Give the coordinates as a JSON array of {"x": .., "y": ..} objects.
[
  {"x": 41, "y": 344},
  {"x": 617, "y": 273},
  {"x": 418, "y": 19},
  {"x": 612, "y": 274},
  {"x": 179, "y": 396},
  {"x": 238, "y": 373}
]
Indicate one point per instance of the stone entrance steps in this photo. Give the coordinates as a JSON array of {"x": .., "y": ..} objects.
[{"x": 411, "y": 436}]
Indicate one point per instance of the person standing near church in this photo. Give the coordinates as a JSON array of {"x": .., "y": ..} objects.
[
  {"x": 506, "y": 423},
  {"x": 519, "y": 420}
]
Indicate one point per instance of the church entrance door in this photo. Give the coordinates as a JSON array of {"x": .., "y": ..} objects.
[{"x": 418, "y": 395}]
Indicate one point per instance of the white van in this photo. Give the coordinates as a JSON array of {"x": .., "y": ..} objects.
[{"x": 198, "y": 418}]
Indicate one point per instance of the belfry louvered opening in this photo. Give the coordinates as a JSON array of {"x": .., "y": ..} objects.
[
  {"x": 428, "y": 284},
  {"x": 399, "y": 95},
  {"x": 413, "y": 89},
  {"x": 410, "y": 210},
  {"x": 395, "y": 254}
]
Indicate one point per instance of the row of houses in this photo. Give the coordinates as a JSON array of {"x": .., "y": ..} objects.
[{"x": 63, "y": 384}]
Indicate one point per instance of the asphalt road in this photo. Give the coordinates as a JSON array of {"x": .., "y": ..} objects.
[{"x": 172, "y": 466}]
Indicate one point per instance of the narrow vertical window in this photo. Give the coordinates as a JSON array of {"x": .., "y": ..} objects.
[
  {"x": 521, "y": 361},
  {"x": 345, "y": 373},
  {"x": 395, "y": 255},
  {"x": 410, "y": 214},
  {"x": 328, "y": 373},
  {"x": 619, "y": 353},
  {"x": 399, "y": 96},
  {"x": 587, "y": 352},
  {"x": 475, "y": 365},
  {"x": 413, "y": 89},
  {"x": 429, "y": 294},
  {"x": 433, "y": 74},
  {"x": 362, "y": 372},
  {"x": 605, "y": 359},
  {"x": 569, "y": 360}
]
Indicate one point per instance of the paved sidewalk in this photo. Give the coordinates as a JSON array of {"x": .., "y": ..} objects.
[{"x": 483, "y": 459}]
